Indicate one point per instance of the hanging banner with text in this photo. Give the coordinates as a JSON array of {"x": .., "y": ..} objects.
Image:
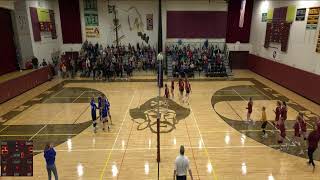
[
  {"x": 313, "y": 17},
  {"x": 91, "y": 18}
]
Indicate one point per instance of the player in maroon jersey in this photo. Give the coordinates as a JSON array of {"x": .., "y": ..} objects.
[
  {"x": 172, "y": 88},
  {"x": 278, "y": 114},
  {"x": 284, "y": 111},
  {"x": 188, "y": 90},
  {"x": 181, "y": 88},
  {"x": 166, "y": 95},
  {"x": 249, "y": 108},
  {"x": 303, "y": 125},
  {"x": 313, "y": 140},
  {"x": 166, "y": 92},
  {"x": 297, "y": 134},
  {"x": 282, "y": 134}
]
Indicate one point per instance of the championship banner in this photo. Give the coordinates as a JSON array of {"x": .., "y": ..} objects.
[
  {"x": 313, "y": 17},
  {"x": 44, "y": 20},
  {"x": 301, "y": 14},
  {"x": 149, "y": 22},
  {"x": 92, "y": 32},
  {"x": 91, "y": 18}
]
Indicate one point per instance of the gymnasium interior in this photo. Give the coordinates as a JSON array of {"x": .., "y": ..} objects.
[{"x": 123, "y": 89}]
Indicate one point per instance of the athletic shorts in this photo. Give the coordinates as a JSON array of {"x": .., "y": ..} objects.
[{"x": 105, "y": 119}]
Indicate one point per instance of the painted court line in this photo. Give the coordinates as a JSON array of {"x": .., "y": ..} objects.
[
  {"x": 4, "y": 128},
  {"x": 163, "y": 148},
  {"x": 114, "y": 144},
  {"x": 78, "y": 96},
  {"x": 204, "y": 146},
  {"x": 17, "y": 135},
  {"x": 37, "y": 132}
]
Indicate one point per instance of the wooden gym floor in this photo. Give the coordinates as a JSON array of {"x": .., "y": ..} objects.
[{"x": 219, "y": 144}]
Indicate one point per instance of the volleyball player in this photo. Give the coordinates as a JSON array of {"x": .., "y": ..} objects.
[
  {"x": 313, "y": 140},
  {"x": 172, "y": 88},
  {"x": 297, "y": 134},
  {"x": 109, "y": 112},
  {"x": 188, "y": 90},
  {"x": 249, "y": 108},
  {"x": 93, "y": 114},
  {"x": 303, "y": 126},
  {"x": 284, "y": 111},
  {"x": 282, "y": 134},
  {"x": 104, "y": 112},
  {"x": 99, "y": 106},
  {"x": 278, "y": 113},
  {"x": 166, "y": 91},
  {"x": 181, "y": 88},
  {"x": 166, "y": 95},
  {"x": 264, "y": 122}
]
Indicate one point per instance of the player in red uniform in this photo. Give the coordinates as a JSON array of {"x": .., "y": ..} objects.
[
  {"x": 297, "y": 134},
  {"x": 181, "y": 88},
  {"x": 282, "y": 134},
  {"x": 166, "y": 94},
  {"x": 303, "y": 126},
  {"x": 313, "y": 140},
  {"x": 284, "y": 111},
  {"x": 249, "y": 108},
  {"x": 172, "y": 88},
  {"x": 278, "y": 114},
  {"x": 188, "y": 90}
]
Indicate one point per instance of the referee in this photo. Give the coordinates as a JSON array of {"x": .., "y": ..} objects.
[{"x": 181, "y": 166}]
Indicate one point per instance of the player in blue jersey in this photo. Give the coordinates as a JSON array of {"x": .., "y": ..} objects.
[
  {"x": 108, "y": 106},
  {"x": 94, "y": 114},
  {"x": 99, "y": 106},
  {"x": 105, "y": 106}
]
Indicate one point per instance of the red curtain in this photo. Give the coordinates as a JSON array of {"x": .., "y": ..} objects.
[
  {"x": 8, "y": 62},
  {"x": 234, "y": 32},
  {"x": 196, "y": 24},
  {"x": 70, "y": 21}
]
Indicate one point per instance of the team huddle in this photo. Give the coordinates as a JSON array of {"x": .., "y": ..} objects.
[
  {"x": 184, "y": 85},
  {"x": 300, "y": 129},
  {"x": 104, "y": 112}
]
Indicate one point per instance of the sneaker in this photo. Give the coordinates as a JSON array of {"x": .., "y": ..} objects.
[{"x": 301, "y": 152}]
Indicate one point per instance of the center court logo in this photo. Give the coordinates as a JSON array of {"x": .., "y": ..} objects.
[{"x": 171, "y": 113}]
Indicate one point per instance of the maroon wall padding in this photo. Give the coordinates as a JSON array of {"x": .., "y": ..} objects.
[
  {"x": 301, "y": 82},
  {"x": 238, "y": 59},
  {"x": 8, "y": 62},
  {"x": 14, "y": 87},
  {"x": 234, "y": 32},
  {"x": 70, "y": 21},
  {"x": 35, "y": 24},
  {"x": 196, "y": 24}
]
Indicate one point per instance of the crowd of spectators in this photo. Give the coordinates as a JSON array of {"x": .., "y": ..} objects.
[
  {"x": 186, "y": 60},
  {"x": 109, "y": 62}
]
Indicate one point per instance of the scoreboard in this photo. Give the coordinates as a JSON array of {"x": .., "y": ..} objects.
[{"x": 17, "y": 158}]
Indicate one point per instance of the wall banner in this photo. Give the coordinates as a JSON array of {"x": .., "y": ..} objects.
[
  {"x": 92, "y": 32},
  {"x": 301, "y": 14},
  {"x": 149, "y": 22},
  {"x": 91, "y": 18},
  {"x": 264, "y": 17},
  {"x": 313, "y": 17}
]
